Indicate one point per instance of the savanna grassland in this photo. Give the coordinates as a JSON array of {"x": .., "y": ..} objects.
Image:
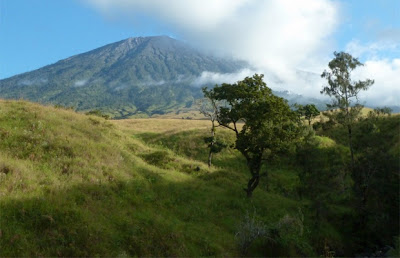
[{"x": 81, "y": 185}]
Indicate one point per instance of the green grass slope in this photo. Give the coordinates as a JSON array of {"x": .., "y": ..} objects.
[{"x": 77, "y": 185}]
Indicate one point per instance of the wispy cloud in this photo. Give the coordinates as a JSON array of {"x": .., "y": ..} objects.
[
  {"x": 80, "y": 83},
  {"x": 389, "y": 34},
  {"x": 35, "y": 81},
  {"x": 210, "y": 78},
  {"x": 372, "y": 50}
]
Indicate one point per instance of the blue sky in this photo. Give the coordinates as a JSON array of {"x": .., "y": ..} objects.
[
  {"x": 276, "y": 36},
  {"x": 34, "y": 33}
]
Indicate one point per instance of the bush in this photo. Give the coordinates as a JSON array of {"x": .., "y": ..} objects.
[
  {"x": 98, "y": 113},
  {"x": 157, "y": 158},
  {"x": 250, "y": 230}
]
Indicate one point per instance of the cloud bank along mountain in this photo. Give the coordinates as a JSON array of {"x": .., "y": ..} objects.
[
  {"x": 286, "y": 40},
  {"x": 212, "y": 78},
  {"x": 137, "y": 75},
  {"x": 277, "y": 37},
  {"x": 145, "y": 75}
]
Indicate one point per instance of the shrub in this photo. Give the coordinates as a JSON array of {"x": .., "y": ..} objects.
[
  {"x": 157, "y": 158},
  {"x": 250, "y": 230},
  {"x": 97, "y": 112}
]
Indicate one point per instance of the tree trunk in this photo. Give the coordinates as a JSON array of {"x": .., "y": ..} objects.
[
  {"x": 210, "y": 156},
  {"x": 266, "y": 180},
  {"x": 252, "y": 184},
  {"x": 351, "y": 147},
  {"x": 211, "y": 143},
  {"x": 348, "y": 122}
]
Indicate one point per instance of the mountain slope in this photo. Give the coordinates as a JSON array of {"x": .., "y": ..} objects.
[
  {"x": 145, "y": 74},
  {"x": 134, "y": 77}
]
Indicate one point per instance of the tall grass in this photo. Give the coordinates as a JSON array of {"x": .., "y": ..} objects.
[{"x": 78, "y": 185}]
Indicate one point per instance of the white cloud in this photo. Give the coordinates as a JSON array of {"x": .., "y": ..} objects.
[
  {"x": 121, "y": 87},
  {"x": 193, "y": 14},
  {"x": 275, "y": 36},
  {"x": 210, "y": 78},
  {"x": 35, "y": 81},
  {"x": 280, "y": 38},
  {"x": 386, "y": 90},
  {"x": 379, "y": 66},
  {"x": 80, "y": 83},
  {"x": 25, "y": 82}
]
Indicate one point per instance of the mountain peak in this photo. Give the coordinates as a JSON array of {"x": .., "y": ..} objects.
[
  {"x": 139, "y": 40},
  {"x": 133, "y": 40},
  {"x": 140, "y": 44}
]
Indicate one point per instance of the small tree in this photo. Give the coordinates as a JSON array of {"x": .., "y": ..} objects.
[
  {"x": 344, "y": 90},
  {"x": 383, "y": 111},
  {"x": 309, "y": 111},
  {"x": 209, "y": 108},
  {"x": 269, "y": 126}
]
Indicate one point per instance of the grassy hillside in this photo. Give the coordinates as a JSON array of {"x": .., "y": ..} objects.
[
  {"x": 79, "y": 185},
  {"x": 76, "y": 185}
]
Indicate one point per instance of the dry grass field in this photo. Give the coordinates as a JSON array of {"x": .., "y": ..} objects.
[{"x": 161, "y": 125}]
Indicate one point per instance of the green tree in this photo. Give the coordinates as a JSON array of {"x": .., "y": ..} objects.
[
  {"x": 309, "y": 111},
  {"x": 344, "y": 90},
  {"x": 268, "y": 126},
  {"x": 376, "y": 183},
  {"x": 383, "y": 111},
  {"x": 209, "y": 108},
  {"x": 324, "y": 183}
]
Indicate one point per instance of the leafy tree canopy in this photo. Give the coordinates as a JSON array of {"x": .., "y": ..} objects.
[
  {"x": 309, "y": 111},
  {"x": 340, "y": 85},
  {"x": 269, "y": 125},
  {"x": 343, "y": 90}
]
